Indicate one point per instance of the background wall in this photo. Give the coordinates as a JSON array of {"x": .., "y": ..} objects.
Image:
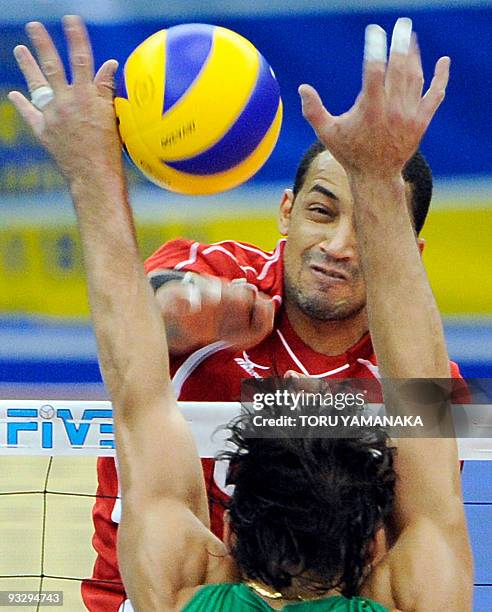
[
  {"x": 44, "y": 336},
  {"x": 315, "y": 42}
]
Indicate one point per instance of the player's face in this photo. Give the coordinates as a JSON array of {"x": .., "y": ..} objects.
[{"x": 322, "y": 273}]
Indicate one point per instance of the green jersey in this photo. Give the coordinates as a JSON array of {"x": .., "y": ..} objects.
[{"x": 240, "y": 598}]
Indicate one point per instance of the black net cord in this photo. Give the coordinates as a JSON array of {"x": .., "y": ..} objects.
[{"x": 45, "y": 491}]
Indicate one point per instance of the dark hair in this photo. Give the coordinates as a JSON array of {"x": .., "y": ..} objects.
[
  {"x": 416, "y": 172},
  {"x": 307, "y": 509}
]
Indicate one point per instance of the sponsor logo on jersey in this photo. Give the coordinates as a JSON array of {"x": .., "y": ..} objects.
[{"x": 248, "y": 366}]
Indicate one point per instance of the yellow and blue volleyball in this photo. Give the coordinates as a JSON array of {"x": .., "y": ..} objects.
[{"x": 199, "y": 109}]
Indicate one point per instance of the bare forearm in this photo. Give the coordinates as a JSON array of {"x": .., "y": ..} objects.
[
  {"x": 404, "y": 320},
  {"x": 131, "y": 348},
  {"x": 408, "y": 339},
  {"x": 78, "y": 128},
  {"x": 133, "y": 355}
]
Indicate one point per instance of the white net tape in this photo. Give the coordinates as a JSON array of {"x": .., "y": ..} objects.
[
  {"x": 85, "y": 428},
  {"x": 82, "y": 428}
]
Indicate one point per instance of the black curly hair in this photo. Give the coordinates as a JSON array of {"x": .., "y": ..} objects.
[
  {"x": 307, "y": 508},
  {"x": 417, "y": 172}
]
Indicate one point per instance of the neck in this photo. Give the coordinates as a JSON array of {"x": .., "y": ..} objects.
[{"x": 327, "y": 337}]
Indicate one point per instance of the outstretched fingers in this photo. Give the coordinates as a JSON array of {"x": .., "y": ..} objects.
[
  {"x": 29, "y": 67},
  {"x": 31, "y": 115},
  {"x": 415, "y": 75},
  {"x": 375, "y": 55},
  {"x": 436, "y": 92},
  {"x": 396, "y": 74},
  {"x": 314, "y": 112},
  {"x": 104, "y": 79},
  {"x": 385, "y": 125},
  {"x": 49, "y": 60},
  {"x": 79, "y": 46}
]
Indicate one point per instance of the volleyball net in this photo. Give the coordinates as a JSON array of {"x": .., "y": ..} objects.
[{"x": 48, "y": 484}]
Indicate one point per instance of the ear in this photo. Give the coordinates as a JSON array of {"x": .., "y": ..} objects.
[
  {"x": 285, "y": 211},
  {"x": 421, "y": 245}
]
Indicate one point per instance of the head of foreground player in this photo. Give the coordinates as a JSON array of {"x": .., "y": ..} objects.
[
  {"x": 307, "y": 515},
  {"x": 322, "y": 273}
]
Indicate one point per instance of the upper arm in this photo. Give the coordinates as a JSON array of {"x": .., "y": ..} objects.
[
  {"x": 165, "y": 547},
  {"x": 431, "y": 569},
  {"x": 427, "y": 569},
  {"x": 158, "y": 458},
  {"x": 428, "y": 476},
  {"x": 429, "y": 483},
  {"x": 165, "y": 553}
]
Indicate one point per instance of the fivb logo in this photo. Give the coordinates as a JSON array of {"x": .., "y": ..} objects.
[{"x": 57, "y": 427}]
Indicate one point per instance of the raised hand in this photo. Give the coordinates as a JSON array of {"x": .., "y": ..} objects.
[
  {"x": 383, "y": 129},
  {"x": 75, "y": 121}
]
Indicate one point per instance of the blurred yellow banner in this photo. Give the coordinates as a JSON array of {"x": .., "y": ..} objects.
[{"x": 41, "y": 267}]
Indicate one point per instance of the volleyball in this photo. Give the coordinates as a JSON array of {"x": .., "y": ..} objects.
[{"x": 199, "y": 109}]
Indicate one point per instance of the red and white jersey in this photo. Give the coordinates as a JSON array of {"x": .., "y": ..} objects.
[{"x": 214, "y": 373}]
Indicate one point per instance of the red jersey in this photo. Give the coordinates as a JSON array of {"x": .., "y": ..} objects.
[{"x": 214, "y": 373}]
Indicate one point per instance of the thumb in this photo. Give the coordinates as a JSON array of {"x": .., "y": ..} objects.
[
  {"x": 313, "y": 110},
  {"x": 104, "y": 79}
]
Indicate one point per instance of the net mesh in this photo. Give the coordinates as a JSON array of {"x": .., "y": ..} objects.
[
  {"x": 45, "y": 513},
  {"x": 46, "y": 501}
]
